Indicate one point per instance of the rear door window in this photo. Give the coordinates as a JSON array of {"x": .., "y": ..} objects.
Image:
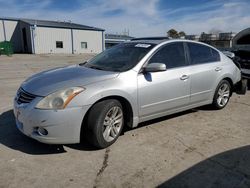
[{"x": 200, "y": 54}]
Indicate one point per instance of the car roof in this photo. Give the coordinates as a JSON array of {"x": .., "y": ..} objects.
[
  {"x": 151, "y": 40},
  {"x": 145, "y": 41},
  {"x": 159, "y": 40}
]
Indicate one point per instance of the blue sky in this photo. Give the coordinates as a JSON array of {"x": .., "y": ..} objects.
[{"x": 141, "y": 17}]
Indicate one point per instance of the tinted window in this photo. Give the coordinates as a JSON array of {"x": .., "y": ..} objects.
[
  {"x": 215, "y": 55},
  {"x": 59, "y": 44},
  {"x": 202, "y": 54},
  {"x": 121, "y": 57},
  {"x": 172, "y": 55}
]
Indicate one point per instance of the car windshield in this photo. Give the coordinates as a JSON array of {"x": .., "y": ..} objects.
[{"x": 121, "y": 57}]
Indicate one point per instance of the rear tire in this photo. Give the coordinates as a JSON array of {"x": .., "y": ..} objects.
[
  {"x": 105, "y": 122},
  {"x": 222, "y": 95}
]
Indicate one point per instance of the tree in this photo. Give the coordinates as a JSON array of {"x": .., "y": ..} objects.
[
  {"x": 182, "y": 34},
  {"x": 173, "y": 33}
]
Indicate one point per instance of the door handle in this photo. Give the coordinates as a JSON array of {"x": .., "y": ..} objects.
[
  {"x": 184, "y": 77},
  {"x": 218, "y": 69}
]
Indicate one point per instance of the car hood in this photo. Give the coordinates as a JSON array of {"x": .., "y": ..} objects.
[{"x": 47, "y": 82}]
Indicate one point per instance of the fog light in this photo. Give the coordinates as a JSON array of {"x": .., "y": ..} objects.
[{"x": 42, "y": 132}]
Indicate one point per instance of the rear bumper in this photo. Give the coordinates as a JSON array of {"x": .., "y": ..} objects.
[
  {"x": 241, "y": 87},
  {"x": 245, "y": 73}
]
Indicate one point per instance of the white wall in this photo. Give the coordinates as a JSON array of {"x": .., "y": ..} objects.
[
  {"x": 10, "y": 27},
  {"x": 93, "y": 39},
  {"x": 1, "y": 31},
  {"x": 13, "y": 34},
  {"x": 45, "y": 40}
]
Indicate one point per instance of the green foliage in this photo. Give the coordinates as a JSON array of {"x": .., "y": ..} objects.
[
  {"x": 182, "y": 34},
  {"x": 175, "y": 34}
]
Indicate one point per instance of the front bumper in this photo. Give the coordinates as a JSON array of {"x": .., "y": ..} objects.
[{"x": 63, "y": 126}]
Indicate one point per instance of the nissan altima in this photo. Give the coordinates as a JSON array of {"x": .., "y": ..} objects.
[{"x": 127, "y": 84}]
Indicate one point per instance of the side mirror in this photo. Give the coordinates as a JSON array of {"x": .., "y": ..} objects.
[{"x": 155, "y": 67}]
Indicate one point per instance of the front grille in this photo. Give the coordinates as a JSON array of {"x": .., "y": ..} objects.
[{"x": 24, "y": 97}]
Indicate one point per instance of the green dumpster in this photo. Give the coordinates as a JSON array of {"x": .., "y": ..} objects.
[{"x": 6, "y": 48}]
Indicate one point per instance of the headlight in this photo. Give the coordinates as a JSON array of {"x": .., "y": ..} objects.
[{"x": 59, "y": 99}]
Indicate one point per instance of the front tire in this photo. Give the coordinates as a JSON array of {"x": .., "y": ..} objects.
[
  {"x": 105, "y": 123},
  {"x": 222, "y": 95}
]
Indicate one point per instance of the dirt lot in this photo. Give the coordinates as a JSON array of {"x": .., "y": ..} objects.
[{"x": 197, "y": 148}]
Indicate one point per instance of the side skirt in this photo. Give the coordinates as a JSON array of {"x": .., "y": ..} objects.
[{"x": 173, "y": 111}]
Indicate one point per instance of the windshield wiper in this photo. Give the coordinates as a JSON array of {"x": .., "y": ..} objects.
[
  {"x": 99, "y": 68},
  {"x": 95, "y": 67},
  {"x": 83, "y": 63},
  {"x": 90, "y": 66}
]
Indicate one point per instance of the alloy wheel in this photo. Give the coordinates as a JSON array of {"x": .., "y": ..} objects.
[
  {"x": 223, "y": 95},
  {"x": 112, "y": 123}
]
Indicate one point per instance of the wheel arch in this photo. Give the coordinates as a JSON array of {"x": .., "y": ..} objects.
[
  {"x": 231, "y": 84},
  {"x": 229, "y": 80},
  {"x": 227, "y": 77},
  {"x": 127, "y": 107}
]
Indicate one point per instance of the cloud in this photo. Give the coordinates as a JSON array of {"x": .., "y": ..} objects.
[
  {"x": 141, "y": 17},
  {"x": 233, "y": 17},
  {"x": 115, "y": 12}
]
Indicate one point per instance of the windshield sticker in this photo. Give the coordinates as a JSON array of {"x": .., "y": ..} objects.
[{"x": 142, "y": 45}]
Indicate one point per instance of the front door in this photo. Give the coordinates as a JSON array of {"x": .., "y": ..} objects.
[{"x": 160, "y": 92}]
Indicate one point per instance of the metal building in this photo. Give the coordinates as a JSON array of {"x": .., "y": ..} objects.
[
  {"x": 193, "y": 37},
  {"x": 220, "y": 40},
  {"x": 42, "y": 36},
  {"x": 114, "y": 39}
]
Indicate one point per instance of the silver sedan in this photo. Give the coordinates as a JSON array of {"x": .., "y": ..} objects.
[{"x": 130, "y": 83}]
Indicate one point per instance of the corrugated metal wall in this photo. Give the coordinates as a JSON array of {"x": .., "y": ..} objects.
[
  {"x": 1, "y": 31},
  {"x": 42, "y": 40},
  {"x": 92, "y": 38},
  {"x": 10, "y": 27},
  {"x": 45, "y": 40}
]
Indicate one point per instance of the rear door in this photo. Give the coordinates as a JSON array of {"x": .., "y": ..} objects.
[
  {"x": 205, "y": 69},
  {"x": 159, "y": 92}
]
